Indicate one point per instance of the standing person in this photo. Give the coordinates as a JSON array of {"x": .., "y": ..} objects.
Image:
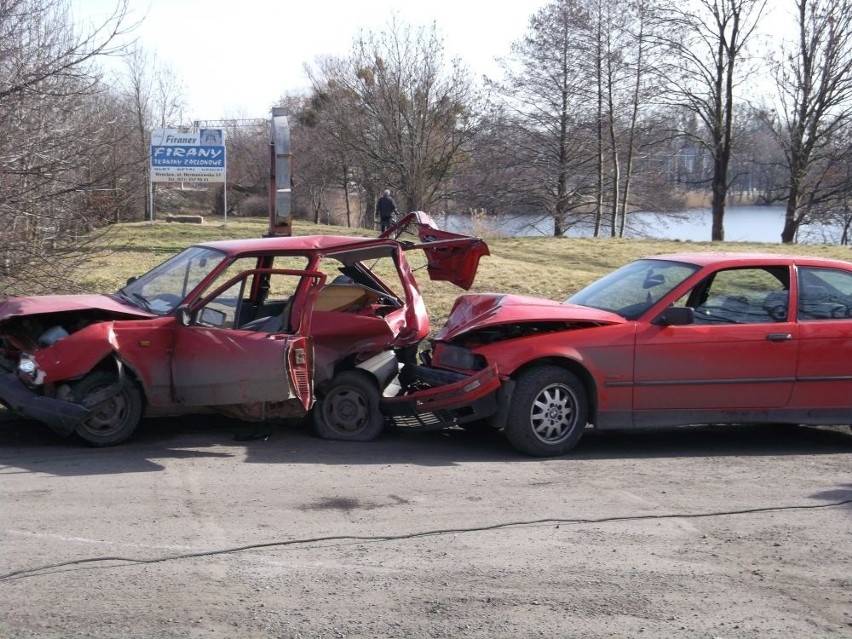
[{"x": 385, "y": 209}]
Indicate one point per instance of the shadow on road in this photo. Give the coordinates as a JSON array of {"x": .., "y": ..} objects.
[{"x": 30, "y": 447}]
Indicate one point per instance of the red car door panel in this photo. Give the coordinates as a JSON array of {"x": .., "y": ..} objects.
[
  {"x": 824, "y": 371},
  {"x": 719, "y": 367},
  {"x": 212, "y": 366}
]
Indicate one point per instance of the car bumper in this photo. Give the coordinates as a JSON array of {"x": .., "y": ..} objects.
[
  {"x": 461, "y": 400},
  {"x": 60, "y": 416}
]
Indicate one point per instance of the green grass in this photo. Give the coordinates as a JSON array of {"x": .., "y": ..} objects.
[{"x": 540, "y": 266}]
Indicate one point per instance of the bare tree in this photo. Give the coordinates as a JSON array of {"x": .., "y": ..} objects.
[
  {"x": 403, "y": 115},
  {"x": 707, "y": 40},
  {"x": 621, "y": 50},
  {"x": 814, "y": 79},
  {"x": 547, "y": 94},
  {"x": 56, "y": 119},
  {"x": 154, "y": 95}
]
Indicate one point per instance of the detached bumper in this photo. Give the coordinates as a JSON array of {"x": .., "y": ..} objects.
[
  {"x": 466, "y": 399},
  {"x": 60, "y": 416}
]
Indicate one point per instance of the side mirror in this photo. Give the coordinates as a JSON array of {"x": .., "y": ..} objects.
[
  {"x": 130, "y": 280},
  {"x": 212, "y": 317},
  {"x": 676, "y": 316}
]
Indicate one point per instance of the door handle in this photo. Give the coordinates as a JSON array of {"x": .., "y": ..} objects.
[{"x": 779, "y": 337}]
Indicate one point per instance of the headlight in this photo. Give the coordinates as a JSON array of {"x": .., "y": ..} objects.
[{"x": 27, "y": 368}]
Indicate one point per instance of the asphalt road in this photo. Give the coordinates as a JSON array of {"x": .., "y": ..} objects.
[{"x": 206, "y": 527}]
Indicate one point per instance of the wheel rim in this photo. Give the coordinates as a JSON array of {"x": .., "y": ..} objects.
[
  {"x": 109, "y": 416},
  {"x": 553, "y": 414},
  {"x": 346, "y": 410}
]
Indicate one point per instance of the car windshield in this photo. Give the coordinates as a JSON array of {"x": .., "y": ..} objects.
[
  {"x": 164, "y": 287},
  {"x": 634, "y": 288}
]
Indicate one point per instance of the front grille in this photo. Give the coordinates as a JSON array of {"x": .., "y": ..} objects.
[{"x": 438, "y": 419}]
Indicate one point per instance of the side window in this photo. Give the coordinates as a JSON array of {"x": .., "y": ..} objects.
[
  {"x": 221, "y": 311},
  {"x": 824, "y": 294},
  {"x": 259, "y": 301},
  {"x": 742, "y": 296},
  {"x": 240, "y": 305}
]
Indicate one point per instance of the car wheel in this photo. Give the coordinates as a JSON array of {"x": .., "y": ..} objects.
[
  {"x": 117, "y": 408},
  {"x": 349, "y": 409},
  {"x": 548, "y": 412}
]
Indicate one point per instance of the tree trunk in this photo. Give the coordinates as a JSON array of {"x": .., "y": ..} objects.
[
  {"x": 719, "y": 193},
  {"x": 791, "y": 223}
]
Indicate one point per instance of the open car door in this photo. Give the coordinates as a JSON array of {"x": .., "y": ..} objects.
[{"x": 450, "y": 257}]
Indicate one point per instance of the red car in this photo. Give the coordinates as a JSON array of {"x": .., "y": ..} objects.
[
  {"x": 670, "y": 340},
  {"x": 256, "y": 329}
]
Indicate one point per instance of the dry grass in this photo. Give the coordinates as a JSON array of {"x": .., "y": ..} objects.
[{"x": 540, "y": 266}]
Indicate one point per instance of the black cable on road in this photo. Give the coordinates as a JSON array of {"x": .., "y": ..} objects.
[{"x": 36, "y": 571}]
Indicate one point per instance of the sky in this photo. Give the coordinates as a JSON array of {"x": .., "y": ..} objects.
[{"x": 236, "y": 57}]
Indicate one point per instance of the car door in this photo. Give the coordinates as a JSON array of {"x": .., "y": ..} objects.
[
  {"x": 217, "y": 361},
  {"x": 824, "y": 368},
  {"x": 740, "y": 353}
]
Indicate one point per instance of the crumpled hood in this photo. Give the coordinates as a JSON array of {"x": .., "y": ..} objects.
[
  {"x": 45, "y": 304},
  {"x": 489, "y": 309}
]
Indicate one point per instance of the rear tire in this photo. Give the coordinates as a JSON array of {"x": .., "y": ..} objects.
[
  {"x": 114, "y": 419},
  {"x": 548, "y": 412},
  {"x": 348, "y": 410}
]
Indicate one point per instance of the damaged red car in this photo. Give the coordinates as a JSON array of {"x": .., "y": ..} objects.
[
  {"x": 256, "y": 329},
  {"x": 670, "y": 340}
]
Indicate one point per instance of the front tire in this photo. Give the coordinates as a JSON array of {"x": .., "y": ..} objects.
[
  {"x": 113, "y": 419},
  {"x": 348, "y": 410},
  {"x": 548, "y": 412}
]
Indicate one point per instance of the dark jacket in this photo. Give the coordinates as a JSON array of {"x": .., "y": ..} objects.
[{"x": 385, "y": 207}]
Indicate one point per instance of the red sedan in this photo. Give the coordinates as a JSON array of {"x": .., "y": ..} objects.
[{"x": 670, "y": 340}]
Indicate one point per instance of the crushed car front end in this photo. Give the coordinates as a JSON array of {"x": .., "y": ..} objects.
[{"x": 48, "y": 342}]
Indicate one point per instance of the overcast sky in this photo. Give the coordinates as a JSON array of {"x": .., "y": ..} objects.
[{"x": 237, "y": 56}]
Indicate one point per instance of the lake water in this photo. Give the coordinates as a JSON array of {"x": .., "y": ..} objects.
[{"x": 742, "y": 224}]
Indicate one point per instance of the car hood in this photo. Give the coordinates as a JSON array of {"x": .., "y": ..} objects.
[
  {"x": 47, "y": 304},
  {"x": 477, "y": 311}
]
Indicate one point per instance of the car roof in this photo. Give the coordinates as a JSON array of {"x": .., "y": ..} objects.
[
  {"x": 296, "y": 243},
  {"x": 731, "y": 258}
]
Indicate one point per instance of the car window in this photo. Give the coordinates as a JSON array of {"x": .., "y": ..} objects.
[
  {"x": 248, "y": 263},
  {"x": 824, "y": 293},
  {"x": 258, "y": 301},
  {"x": 741, "y": 296}
]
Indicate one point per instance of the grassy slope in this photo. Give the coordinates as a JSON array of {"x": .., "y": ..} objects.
[{"x": 540, "y": 266}]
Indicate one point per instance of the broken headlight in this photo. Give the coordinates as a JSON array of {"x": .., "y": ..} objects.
[{"x": 27, "y": 368}]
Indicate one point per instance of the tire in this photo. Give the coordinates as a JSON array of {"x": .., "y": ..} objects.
[
  {"x": 348, "y": 410},
  {"x": 114, "y": 419},
  {"x": 547, "y": 413}
]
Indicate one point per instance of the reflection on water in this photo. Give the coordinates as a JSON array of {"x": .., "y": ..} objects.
[{"x": 742, "y": 224}]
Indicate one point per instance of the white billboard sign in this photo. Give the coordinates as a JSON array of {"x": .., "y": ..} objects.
[{"x": 188, "y": 155}]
